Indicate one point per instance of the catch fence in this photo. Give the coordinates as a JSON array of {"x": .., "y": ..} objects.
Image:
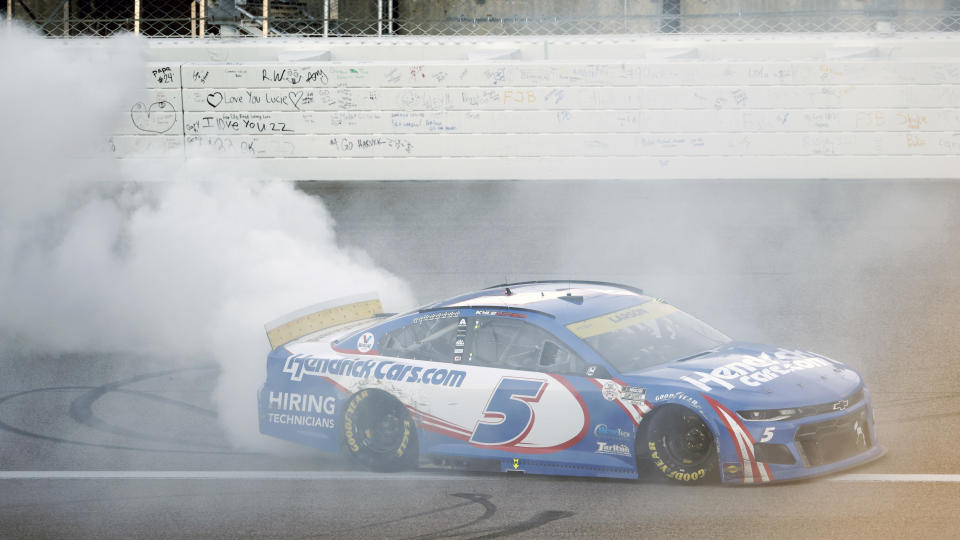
[{"x": 353, "y": 18}]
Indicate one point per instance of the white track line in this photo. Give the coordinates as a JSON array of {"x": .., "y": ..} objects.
[
  {"x": 864, "y": 478},
  {"x": 354, "y": 475},
  {"x": 213, "y": 475}
]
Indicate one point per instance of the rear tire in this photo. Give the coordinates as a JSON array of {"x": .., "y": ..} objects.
[
  {"x": 378, "y": 432},
  {"x": 681, "y": 446}
]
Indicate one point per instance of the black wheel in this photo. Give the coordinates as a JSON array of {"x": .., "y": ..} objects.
[
  {"x": 681, "y": 445},
  {"x": 378, "y": 433}
]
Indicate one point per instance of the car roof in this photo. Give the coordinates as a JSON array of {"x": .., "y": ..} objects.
[{"x": 566, "y": 301}]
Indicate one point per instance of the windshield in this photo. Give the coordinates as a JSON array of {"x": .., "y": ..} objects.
[{"x": 645, "y": 335}]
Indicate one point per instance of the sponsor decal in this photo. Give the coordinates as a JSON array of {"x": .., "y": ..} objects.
[
  {"x": 501, "y": 314},
  {"x": 459, "y": 342},
  {"x": 610, "y": 391},
  {"x": 615, "y": 449},
  {"x": 679, "y": 396},
  {"x": 462, "y": 323},
  {"x": 516, "y": 463},
  {"x": 436, "y": 316},
  {"x": 591, "y": 370},
  {"x": 299, "y": 365},
  {"x": 301, "y": 420},
  {"x": 630, "y": 316},
  {"x": 365, "y": 342},
  {"x": 633, "y": 394},
  {"x": 306, "y": 403},
  {"x": 286, "y": 401},
  {"x": 604, "y": 432},
  {"x": 755, "y": 370},
  {"x": 458, "y": 358},
  {"x": 458, "y": 351}
]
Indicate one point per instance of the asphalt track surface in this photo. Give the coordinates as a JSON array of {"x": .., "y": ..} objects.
[{"x": 865, "y": 272}]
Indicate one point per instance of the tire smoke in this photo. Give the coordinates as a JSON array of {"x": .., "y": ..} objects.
[{"x": 184, "y": 269}]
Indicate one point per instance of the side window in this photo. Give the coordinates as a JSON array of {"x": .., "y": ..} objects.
[
  {"x": 427, "y": 337},
  {"x": 512, "y": 344}
]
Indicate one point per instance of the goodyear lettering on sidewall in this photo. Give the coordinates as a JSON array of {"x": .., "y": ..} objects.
[
  {"x": 679, "y": 396},
  {"x": 298, "y": 365},
  {"x": 682, "y": 475}
]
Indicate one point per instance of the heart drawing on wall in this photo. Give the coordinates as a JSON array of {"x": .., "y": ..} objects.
[
  {"x": 214, "y": 99},
  {"x": 158, "y": 117}
]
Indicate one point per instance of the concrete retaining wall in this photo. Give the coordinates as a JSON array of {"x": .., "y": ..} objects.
[{"x": 560, "y": 108}]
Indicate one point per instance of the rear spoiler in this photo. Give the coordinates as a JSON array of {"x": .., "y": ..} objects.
[{"x": 320, "y": 316}]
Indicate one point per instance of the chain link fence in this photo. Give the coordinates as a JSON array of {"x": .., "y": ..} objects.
[{"x": 352, "y": 18}]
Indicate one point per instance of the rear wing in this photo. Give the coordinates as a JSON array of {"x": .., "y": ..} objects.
[{"x": 320, "y": 316}]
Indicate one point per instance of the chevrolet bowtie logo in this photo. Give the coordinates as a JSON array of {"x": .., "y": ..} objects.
[{"x": 841, "y": 405}]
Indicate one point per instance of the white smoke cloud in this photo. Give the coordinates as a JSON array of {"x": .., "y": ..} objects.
[{"x": 187, "y": 268}]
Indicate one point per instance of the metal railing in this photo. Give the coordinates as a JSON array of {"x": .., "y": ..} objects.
[{"x": 347, "y": 18}]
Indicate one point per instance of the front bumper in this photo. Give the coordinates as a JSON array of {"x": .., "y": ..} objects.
[{"x": 808, "y": 447}]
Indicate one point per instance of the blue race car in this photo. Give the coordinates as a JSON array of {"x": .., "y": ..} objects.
[{"x": 559, "y": 377}]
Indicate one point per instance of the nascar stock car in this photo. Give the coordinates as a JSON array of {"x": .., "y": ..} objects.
[{"x": 559, "y": 377}]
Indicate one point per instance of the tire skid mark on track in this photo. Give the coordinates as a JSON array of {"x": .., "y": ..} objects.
[
  {"x": 81, "y": 411},
  {"x": 464, "y": 529},
  {"x": 403, "y": 518},
  {"x": 489, "y": 509},
  {"x": 539, "y": 520}
]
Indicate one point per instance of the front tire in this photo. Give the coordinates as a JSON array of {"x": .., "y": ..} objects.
[
  {"x": 681, "y": 445},
  {"x": 378, "y": 433}
]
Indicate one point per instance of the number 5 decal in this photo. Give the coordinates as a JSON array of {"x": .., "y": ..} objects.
[{"x": 508, "y": 417}]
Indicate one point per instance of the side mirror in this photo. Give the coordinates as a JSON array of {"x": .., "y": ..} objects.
[{"x": 549, "y": 354}]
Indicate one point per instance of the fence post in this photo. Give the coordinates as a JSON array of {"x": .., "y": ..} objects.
[
  {"x": 136, "y": 17},
  {"x": 625, "y": 26},
  {"x": 266, "y": 15},
  {"x": 203, "y": 17},
  {"x": 326, "y": 18},
  {"x": 9, "y": 13},
  {"x": 193, "y": 19},
  {"x": 379, "y": 17},
  {"x": 66, "y": 18},
  {"x": 390, "y": 17}
]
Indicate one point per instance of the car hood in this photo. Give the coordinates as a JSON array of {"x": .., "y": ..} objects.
[{"x": 756, "y": 374}]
